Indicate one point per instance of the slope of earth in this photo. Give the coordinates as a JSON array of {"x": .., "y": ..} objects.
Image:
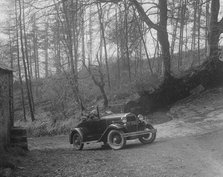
[
  {"x": 189, "y": 145},
  {"x": 196, "y": 114}
]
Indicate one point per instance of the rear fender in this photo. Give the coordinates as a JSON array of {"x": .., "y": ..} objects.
[
  {"x": 109, "y": 128},
  {"x": 76, "y": 130}
]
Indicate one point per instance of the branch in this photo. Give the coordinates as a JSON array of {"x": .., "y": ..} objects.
[
  {"x": 140, "y": 10},
  {"x": 91, "y": 74},
  {"x": 144, "y": 16}
]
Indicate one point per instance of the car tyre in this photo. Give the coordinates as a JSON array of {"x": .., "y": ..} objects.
[
  {"x": 77, "y": 141},
  {"x": 147, "y": 139},
  {"x": 116, "y": 140}
]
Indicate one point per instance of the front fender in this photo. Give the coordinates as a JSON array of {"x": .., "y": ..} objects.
[
  {"x": 111, "y": 127},
  {"x": 76, "y": 130}
]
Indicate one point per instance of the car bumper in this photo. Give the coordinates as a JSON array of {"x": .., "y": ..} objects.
[{"x": 139, "y": 133}]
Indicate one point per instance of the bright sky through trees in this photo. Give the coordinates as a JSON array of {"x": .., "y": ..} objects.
[{"x": 3, "y": 10}]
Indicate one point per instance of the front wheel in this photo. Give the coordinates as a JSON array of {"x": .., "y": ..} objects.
[
  {"x": 116, "y": 140},
  {"x": 77, "y": 141},
  {"x": 147, "y": 139}
]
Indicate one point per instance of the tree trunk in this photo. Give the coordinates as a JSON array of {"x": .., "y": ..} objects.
[
  {"x": 57, "y": 44},
  {"x": 199, "y": 30},
  {"x": 144, "y": 44},
  {"x": 24, "y": 62},
  {"x": 207, "y": 25},
  {"x": 75, "y": 24},
  {"x": 104, "y": 41},
  {"x": 69, "y": 36},
  {"x": 214, "y": 32},
  {"x": 163, "y": 39},
  {"x": 104, "y": 96},
  {"x": 193, "y": 44},
  {"x": 57, "y": 41},
  {"x": 90, "y": 35},
  {"x": 182, "y": 21},
  {"x": 126, "y": 41},
  {"x": 71, "y": 24},
  {"x": 83, "y": 32},
  {"x": 18, "y": 63},
  {"x": 46, "y": 50},
  {"x": 174, "y": 36},
  {"x": 35, "y": 48},
  {"x": 98, "y": 82},
  {"x": 161, "y": 33},
  {"x": 118, "y": 49},
  {"x": 28, "y": 62}
]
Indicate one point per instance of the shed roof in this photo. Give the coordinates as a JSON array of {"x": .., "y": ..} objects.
[{"x": 4, "y": 67}]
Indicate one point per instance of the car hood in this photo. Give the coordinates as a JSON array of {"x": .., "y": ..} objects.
[{"x": 115, "y": 116}]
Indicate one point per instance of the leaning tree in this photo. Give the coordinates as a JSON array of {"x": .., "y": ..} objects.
[{"x": 172, "y": 89}]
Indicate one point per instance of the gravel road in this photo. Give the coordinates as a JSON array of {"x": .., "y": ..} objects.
[
  {"x": 198, "y": 156},
  {"x": 191, "y": 145}
]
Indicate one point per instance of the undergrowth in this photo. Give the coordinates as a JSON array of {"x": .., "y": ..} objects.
[{"x": 45, "y": 125}]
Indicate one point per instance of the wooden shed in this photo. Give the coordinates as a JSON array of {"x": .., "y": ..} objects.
[{"x": 6, "y": 105}]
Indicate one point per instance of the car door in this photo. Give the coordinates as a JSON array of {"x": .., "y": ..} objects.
[{"x": 95, "y": 129}]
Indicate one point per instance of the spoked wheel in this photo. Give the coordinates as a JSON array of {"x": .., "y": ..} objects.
[
  {"x": 77, "y": 141},
  {"x": 147, "y": 139},
  {"x": 116, "y": 140}
]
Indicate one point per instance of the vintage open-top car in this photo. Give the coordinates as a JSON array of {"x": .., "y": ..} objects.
[{"x": 112, "y": 130}]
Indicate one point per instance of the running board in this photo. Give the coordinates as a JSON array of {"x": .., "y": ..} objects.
[{"x": 139, "y": 133}]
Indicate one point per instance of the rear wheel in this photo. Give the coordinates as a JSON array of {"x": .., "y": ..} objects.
[
  {"x": 77, "y": 141},
  {"x": 147, "y": 139},
  {"x": 116, "y": 140}
]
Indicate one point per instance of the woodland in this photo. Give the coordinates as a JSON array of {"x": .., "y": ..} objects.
[{"x": 136, "y": 55}]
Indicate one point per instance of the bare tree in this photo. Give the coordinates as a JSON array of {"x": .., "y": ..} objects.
[
  {"x": 126, "y": 39},
  {"x": 46, "y": 48},
  {"x": 24, "y": 62},
  {"x": 162, "y": 34},
  {"x": 216, "y": 28},
  {"x": 18, "y": 63},
  {"x": 181, "y": 38},
  {"x": 97, "y": 76},
  {"x": 100, "y": 14}
]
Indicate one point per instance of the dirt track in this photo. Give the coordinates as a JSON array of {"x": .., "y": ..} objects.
[
  {"x": 198, "y": 156},
  {"x": 189, "y": 145}
]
